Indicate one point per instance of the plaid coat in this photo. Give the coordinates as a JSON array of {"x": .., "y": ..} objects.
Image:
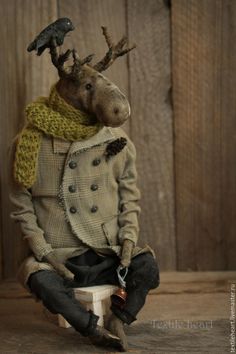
[{"x": 79, "y": 201}]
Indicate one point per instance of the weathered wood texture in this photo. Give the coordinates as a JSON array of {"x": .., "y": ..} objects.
[
  {"x": 151, "y": 124},
  {"x": 24, "y": 76},
  {"x": 204, "y": 81},
  {"x": 203, "y": 65},
  {"x": 228, "y": 133}
]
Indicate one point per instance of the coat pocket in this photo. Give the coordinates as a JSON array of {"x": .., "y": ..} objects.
[{"x": 111, "y": 229}]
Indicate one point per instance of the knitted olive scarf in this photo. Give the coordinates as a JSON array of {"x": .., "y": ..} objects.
[{"x": 52, "y": 116}]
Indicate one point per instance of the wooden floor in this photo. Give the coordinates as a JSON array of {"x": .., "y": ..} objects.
[{"x": 199, "y": 298}]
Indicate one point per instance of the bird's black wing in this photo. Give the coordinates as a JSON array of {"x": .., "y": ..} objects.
[{"x": 44, "y": 39}]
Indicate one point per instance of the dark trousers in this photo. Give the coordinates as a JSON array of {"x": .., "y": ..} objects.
[{"x": 90, "y": 269}]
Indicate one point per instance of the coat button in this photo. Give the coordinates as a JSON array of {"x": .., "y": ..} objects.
[
  {"x": 96, "y": 162},
  {"x": 72, "y": 189},
  {"x": 94, "y": 208},
  {"x": 73, "y": 210},
  {"x": 94, "y": 187},
  {"x": 72, "y": 164}
]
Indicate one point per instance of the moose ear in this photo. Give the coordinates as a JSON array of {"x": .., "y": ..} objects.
[
  {"x": 74, "y": 70},
  {"x": 87, "y": 59},
  {"x": 78, "y": 63}
]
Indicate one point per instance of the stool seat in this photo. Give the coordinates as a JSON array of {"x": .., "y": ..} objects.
[{"x": 95, "y": 298}]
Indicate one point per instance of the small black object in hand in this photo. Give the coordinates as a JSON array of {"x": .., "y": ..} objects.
[{"x": 115, "y": 147}]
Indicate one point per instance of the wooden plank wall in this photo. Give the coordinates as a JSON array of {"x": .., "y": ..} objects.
[
  {"x": 204, "y": 81},
  {"x": 151, "y": 126},
  {"x": 144, "y": 77},
  {"x": 185, "y": 157},
  {"x": 22, "y": 79}
]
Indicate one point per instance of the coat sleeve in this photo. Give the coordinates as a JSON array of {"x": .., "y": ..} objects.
[
  {"x": 129, "y": 196},
  {"x": 24, "y": 213}
]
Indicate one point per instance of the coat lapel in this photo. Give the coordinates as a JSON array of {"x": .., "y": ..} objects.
[
  {"x": 60, "y": 146},
  {"x": 104, "y": 134}
]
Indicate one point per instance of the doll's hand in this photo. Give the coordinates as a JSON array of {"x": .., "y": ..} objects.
[
  {"x": 126, "y": 254},
  {"x": 58, "y": 266}
]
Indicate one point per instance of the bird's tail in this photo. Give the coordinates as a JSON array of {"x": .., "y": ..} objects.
[{"x": 31, "y": 46}]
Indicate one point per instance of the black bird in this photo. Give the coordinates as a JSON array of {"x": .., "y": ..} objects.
[{"x": 56, "y": 31}]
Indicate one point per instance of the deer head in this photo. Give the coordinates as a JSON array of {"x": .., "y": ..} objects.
[{"x": 84, "y": 87}]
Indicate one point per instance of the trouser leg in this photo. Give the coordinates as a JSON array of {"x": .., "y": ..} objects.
[
  {"x": 49, "y": 287},
  {"x": 143, "y": 275}
]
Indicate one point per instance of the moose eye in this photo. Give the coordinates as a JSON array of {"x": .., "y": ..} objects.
[{"x": 88, "y": 86}]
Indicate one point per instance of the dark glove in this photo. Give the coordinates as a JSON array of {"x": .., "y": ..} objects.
[
  {"x": 58, "y": 266},
  {"x": 126, "y": 253}
]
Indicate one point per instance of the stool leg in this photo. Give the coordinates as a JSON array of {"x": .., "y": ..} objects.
[
  {"x": 106, "y": 304},
  {"x": 62, "y": 322},
  {"x": 97, "y": 308}
]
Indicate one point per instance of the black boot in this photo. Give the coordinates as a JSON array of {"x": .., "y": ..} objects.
[
  {"x": 116, "y": 326},
  {"x": 103, "y": 337}
]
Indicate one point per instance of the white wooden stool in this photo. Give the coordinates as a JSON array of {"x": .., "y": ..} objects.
[{"x": 95, "y": 298}]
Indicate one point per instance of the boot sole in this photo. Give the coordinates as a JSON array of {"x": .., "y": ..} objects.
[{"x": 111, "y": 341}]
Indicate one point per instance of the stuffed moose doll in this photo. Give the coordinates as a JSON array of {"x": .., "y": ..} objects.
[{"x": 75, "y": 194}]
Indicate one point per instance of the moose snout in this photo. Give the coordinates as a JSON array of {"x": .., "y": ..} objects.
[
  {"x": 115, "y": 112},
  {"x": 119, "y": 114},
  {"x": 113, "y": 116}
]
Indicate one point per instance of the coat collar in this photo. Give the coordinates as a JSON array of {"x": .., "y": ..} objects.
[{"x": 103, "y": 135}]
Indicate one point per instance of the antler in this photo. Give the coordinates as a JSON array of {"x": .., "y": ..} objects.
[
  {"x": 78, "y": 63},
  {"x": 114, "y": 51},
  {"x": 59, "y": 61}
]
